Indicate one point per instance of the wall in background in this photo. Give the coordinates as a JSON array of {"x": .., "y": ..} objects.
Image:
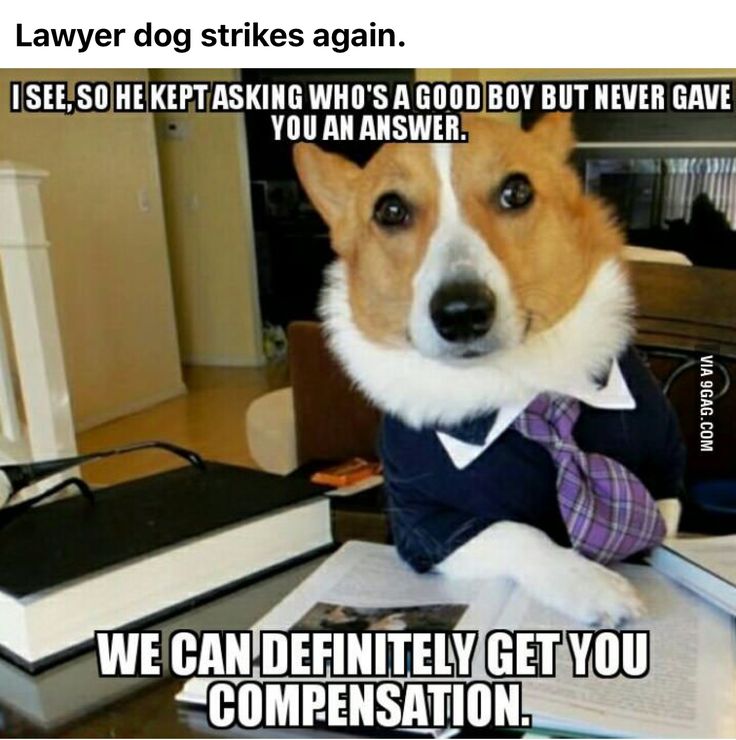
[
  {"x": 204, "y": 170},
  {"x": 105, "y": 221}
]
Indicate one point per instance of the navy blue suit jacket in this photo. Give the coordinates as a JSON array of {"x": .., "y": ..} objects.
[{"x": 435, "y": 507}]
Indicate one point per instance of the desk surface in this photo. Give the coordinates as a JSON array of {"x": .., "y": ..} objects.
[
  {"x": 71, "y": 700},
  {"x": 692, "y": 307}
]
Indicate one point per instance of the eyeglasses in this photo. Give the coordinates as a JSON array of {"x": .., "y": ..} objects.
[{"x": 23, "y": 475}]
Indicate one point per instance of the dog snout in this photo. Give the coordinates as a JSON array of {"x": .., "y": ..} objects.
[{"x": 462, "y": 311}]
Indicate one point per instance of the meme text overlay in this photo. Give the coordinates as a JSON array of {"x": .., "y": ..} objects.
[
  {"x": 368, "y": 111},
  {"x": 417, "y": 680}
]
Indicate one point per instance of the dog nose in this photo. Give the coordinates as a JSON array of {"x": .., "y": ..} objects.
[{"x": 462, "y": 311}]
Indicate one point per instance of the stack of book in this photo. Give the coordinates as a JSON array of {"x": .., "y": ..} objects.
[{"x": 143, "y": 550}]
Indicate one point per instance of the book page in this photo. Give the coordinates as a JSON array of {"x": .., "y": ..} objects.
[
  {"x": 689, "y": 690},
  {"x": 716, "y": 554},
  {"x": 367, "y": 576},
  {"x": 367, "y": 583}
]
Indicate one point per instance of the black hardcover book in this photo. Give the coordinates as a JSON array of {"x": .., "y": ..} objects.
[{"x": 142, "y": 547}]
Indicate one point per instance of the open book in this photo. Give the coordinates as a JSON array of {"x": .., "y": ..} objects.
[
  {"x": 706, "y": 565},
  {"x": 689, "y": 691}
]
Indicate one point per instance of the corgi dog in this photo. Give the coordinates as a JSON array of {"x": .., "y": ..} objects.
[{"x": 470, "y": 278}]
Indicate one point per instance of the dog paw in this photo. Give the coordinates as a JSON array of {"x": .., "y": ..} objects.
[{"x": 587, "y": 591}]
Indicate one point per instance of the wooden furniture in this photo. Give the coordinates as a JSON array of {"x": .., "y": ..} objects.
[
  {"x": 689, "y": 308},
  {"x": 34, "y": 342},
  {"x": 683, "y": 315}
]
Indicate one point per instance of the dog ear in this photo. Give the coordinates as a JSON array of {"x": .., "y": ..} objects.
[
  {"x": 326, "y": 177},
  {"x": 556, "y": 131}
]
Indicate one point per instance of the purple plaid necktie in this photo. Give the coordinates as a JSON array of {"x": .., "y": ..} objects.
[{"x": 608, "y": 512}]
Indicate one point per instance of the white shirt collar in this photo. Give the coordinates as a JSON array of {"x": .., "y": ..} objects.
[{"x": 615, "y": 395}]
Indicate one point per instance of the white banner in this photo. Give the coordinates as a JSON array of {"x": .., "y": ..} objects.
[{"x": 381, "y": 33}]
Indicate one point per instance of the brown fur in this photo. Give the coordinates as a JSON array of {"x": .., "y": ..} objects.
[{"x": 550, "y": 250}]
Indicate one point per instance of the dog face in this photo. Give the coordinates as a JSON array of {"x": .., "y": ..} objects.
[
  {"x": 462, "y": 250},
  {"x": 462, "y": 254}
]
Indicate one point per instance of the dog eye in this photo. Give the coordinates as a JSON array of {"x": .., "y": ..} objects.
[
  {"x": 515, "y": 192},
  {"x": 391, "y": 211}
]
